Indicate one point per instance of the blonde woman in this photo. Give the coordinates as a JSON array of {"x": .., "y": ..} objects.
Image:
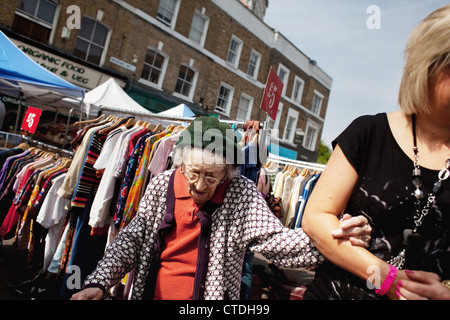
[{"x": 394, "y": 169}]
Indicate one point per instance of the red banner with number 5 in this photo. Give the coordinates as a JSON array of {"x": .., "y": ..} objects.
[
  {"x": 272, "y": 94},
  {"x": 31, "y": 119}
]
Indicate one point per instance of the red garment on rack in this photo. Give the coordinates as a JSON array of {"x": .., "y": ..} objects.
[{"x": 10, "y": 221}]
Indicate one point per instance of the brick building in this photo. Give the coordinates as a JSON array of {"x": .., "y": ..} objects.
[{"x": 212, "y": 55}]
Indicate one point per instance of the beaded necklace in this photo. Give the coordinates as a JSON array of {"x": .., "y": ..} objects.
[{"x": 412, "y": 235}]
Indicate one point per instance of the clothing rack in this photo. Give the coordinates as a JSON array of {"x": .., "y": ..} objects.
[
  {"x": 296, "y": 163},
  {"x": 110, "y": 110},
  {"x": 47, "y": 147}
]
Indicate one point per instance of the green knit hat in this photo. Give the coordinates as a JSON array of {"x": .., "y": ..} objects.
[{"x": 211, "y": 134}]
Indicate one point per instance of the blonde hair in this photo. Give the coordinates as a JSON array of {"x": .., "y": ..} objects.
[{"x": 427, "y": 53}]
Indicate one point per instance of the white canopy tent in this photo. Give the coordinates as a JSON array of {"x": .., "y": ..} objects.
[
  {"x": 180, "y": 110},
  {"x": 109, "y": 94}
]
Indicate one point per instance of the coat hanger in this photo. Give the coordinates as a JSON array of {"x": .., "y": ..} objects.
[
  {"x": 130, "y": 123},
  {"x": 88, "y": 121},
  {"x": 157, "y": 128},
  {"x": 255, "y": 139}
]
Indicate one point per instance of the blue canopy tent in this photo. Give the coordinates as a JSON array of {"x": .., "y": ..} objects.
[{"x": 23, "y": 78}]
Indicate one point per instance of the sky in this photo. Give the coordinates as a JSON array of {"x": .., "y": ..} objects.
[{"x": 365, "y": 63}]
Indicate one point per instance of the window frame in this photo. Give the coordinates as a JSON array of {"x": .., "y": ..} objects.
[
  {"x": 316, "y": 110},
  {"x": 298, "y": 99},
  {"x": 237, "y": 54},
  {"x": 162, "y": 71},
  {"x": 274, "y": 125},
  {"x": 34, "y": 16},
  {"x": 90, "y": 42},
  {"x": 173, "y": 21},
  {"x": 193, "y": 83},
  {"x": 257, "y": 65},
  {"x": 292, "y": 114},
  {"x": 227, "y": 109},
  {"x": 250, "y": 107},
  {"x": 309, "y": 143},
  {"x": 205, "y": 27},
  {"x": 284, "y": 81},
  {"x": 34, "y": 19}
]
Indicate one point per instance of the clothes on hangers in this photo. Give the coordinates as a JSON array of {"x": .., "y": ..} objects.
[
  {"x": 300, "y": 207},
  {"x": 30, "y": 175},
  {"x": 293, "y": 184},
  {"x": 65, "y": 212}
]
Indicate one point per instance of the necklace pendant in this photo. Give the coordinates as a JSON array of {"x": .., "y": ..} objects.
[
  {"x": 418, "y": 194},
  {"x": 417, "y": 182},
  {"x": 437, "y": 185}
]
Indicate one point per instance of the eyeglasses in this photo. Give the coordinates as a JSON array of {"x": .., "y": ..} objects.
[{"x": 193, "y": 177}]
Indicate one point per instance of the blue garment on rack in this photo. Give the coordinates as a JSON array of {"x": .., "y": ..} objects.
[
  {"x": 250, "y": 168},
  {"x": 309, "y": 186}
]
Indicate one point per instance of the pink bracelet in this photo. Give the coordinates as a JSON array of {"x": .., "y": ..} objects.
[{"x": 387, "y": 283}]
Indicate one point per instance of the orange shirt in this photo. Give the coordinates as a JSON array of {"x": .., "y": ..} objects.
[{"x": 175, "y": 279}]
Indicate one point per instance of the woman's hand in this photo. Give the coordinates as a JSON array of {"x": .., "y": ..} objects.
[
  {"x": 422, "y": 285},
  {"x": 356, "y": 229},
  {"x": 88, "y": 294}
]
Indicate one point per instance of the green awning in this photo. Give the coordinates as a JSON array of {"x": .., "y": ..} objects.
[
  {"x": 150, "y": 101},
  {"x": 157, "y": 101}
]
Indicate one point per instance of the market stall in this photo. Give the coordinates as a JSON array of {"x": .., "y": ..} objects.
[
  {"x": 110, "y": 94},
  {"x": 32, "y": 85}
]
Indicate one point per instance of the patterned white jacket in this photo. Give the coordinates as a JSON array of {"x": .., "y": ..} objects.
[{"x": 242, "y": 221}]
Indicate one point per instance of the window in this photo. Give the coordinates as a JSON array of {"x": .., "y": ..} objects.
[
  {"x": 167, "y": 12},
  {"x": 234, "y": 52},
  {"x": 245, "y": 108},
  {"x": 34, "y": 19},
  {"x": 185, "y": 81},
  {"x": 253, "y": 64},
  {"x": 317, "y": 102},
  {"x": 91, "y": 40},
  {"x": 297, "y": 92},
  {"x": 154, "y": 68},
  {"x": 224, "y": 99},
  {"x": 291, "y": 125},
  {"x": 283, "y": 74},
  {"x": 312, "y": 133},
  {"x": 199, "y": 27},
  {"x": 273, "y": 125}
]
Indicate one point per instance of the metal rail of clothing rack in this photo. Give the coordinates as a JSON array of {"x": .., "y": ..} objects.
[
  {"x": 160, "y": 116},
  {"x": 48, "y": 147},
  {"x": 271, "y": 157},
  {"x": 297, "y": 163}
]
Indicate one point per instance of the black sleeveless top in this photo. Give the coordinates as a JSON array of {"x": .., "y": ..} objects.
[{"x": 383, "y": 194}]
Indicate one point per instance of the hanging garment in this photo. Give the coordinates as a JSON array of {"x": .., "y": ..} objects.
[
  {"x": 309, "y": 186},
  {"x": 51, "y": 216},
  {"x": 134, "y": 192},
  {"x": 70, "y": 181},
  {"x": 99, "y": 215}
]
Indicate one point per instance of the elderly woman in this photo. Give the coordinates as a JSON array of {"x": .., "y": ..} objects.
[
  {"x": 194, "y": 225},
  {"x": 396, "y": 168}
]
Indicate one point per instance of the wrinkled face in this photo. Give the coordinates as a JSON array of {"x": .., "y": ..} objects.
[{"x": 203, "y": 179}]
